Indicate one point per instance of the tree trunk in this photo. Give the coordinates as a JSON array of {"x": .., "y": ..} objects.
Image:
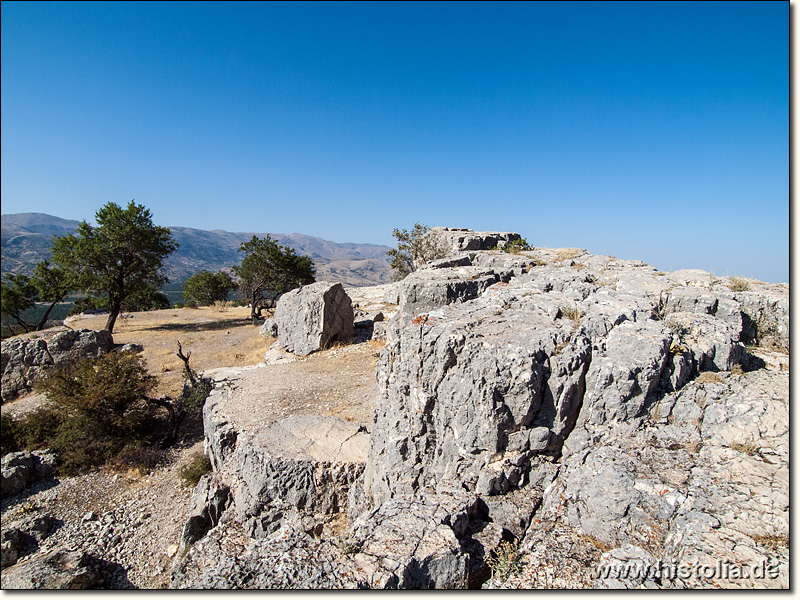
[
  {"x": 112, "y": 316},
  {"x": 43, "y": 322},
  {"x": 175, "y": 420}
]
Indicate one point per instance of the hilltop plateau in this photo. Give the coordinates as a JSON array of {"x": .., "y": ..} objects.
[{"x": 543, "y": 418}]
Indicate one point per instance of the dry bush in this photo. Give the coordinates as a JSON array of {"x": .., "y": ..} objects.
[
  {"x": 708, "y": 377},
  {"x": 738, "y": 284},
  {"x": 571, "y": 312},
  {"x": 567, "y": 253},
  {"x": 749, "y": 448},
  {"x": 198, "y": 466}
]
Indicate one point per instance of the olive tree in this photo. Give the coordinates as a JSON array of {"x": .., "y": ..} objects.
[
  {"x": 414, "y": 249},
  {"x": 48, "y": 284},
  {"x": 205, "y": 288},
  {"x": 269, "y": 270},
  {"x": 121, "y": 258}
]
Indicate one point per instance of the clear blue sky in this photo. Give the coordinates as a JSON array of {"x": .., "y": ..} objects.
[{"x": 655, "y": 131}]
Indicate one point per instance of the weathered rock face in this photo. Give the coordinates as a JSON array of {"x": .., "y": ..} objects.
[
  {"x": 594, "y": 393},
  {"x": 59, "y": 569},
  {"x": 703, "y": 477},
  {"x": 22, "y": 361},
  {"x": 314, "y": 316},
  {"x": 299, "y": 468},
  {"x": 429, "y": 289},
  {"x": 458, "y": 240},
  {"x": 562, "y": 360},
  {"x": 269, "y": 329},
  {"x": 22, "y": 469},
  {"x": 23, "y": 535}
]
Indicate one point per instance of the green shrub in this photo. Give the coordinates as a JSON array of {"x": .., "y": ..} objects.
[
  {"x": 9, "y": 434},
  {"x": 517, "y": 246},
  {"x": 37, "y": 427},
  {"x": 506, "y": 560},
  {"x": 99, "y": 413},
  {"x": 198, "y": 466},
  {"x": 205, "y": 288},
  {"x": 109, "y": 391}
]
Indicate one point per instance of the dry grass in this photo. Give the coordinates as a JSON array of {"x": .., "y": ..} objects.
[
  {"x": 600, "y": 545},
  {"x": 215, "y": 339},
  {"x": 738, "y": 284},
  {"x": 749, "y": 448},
  {"x": 708, "y": 377},
  {"x": 568, "y": 253},
  {"x": 772, "y": 541}
]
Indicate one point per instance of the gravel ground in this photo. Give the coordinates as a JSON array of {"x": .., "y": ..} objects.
[{"x": 132, "y": 522}]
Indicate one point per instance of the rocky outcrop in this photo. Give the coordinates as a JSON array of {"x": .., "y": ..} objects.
[
  {"x": 458, "y": 240},
  {"x": 702, "y": 478},
  {"x": 614, "y": 402},
  {"x": 20, "y": 470},
  {"x": 25, "y": 359},
  {"x": 314, "y": 316},
  {"x": 59, "y": 569},
  {"x": 296, "y": 473},
  {"x": 22, "y": 536}
]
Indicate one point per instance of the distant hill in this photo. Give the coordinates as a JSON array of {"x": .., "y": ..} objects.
[{"x": 26, "y": 238}]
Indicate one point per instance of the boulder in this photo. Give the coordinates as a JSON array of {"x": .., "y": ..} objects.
[
  {"x": 59, "y": 569},
  {"x": 314, "y": 316},
  {"x": 23, "y": 360},
  {"x": 20, "y": 470},
  {"x": 298, "y": 466},
  {"x": 269, "y": 329}
]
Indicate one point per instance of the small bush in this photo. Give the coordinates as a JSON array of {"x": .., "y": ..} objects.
[
  {"x": 108, "y": 391},
  {"x": 198, "y": 466},
  {"x": 517, "y": 246},
  {"x": 9, "y": 434},
  {"x": 37, "y": 427},
  {"x": 571, "y": 312},
  {"x": 505, "y": 560},
  {"x": 99, "y": 414},
  {"x": 749, "y": 448},
  {"x": 139, "y": 457},
  {"x": 738, "y": 284}
]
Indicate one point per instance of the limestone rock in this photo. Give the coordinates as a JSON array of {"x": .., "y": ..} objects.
[
  {"x": 269, "y": 329},
  {"x": 703, "y": 477},
  {"x": 59, "y": 569},
  {"x": 22, "y": 469},
  {"x": 298, "y": 465},
  {"x": 22, "y": 360},
  {"x": 429, "y": 289},
  {"x": 314, "y": 316},
  {"x": 457, "y": 240},
  {"x": 288, "y": 559}
]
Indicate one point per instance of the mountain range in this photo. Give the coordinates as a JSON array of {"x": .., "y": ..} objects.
[{"x": 25, "y": 239}]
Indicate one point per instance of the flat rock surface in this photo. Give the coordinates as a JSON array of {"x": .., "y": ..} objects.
[
  {"x": 311, "y": 437},
  {"x": 338, "y": 382}
]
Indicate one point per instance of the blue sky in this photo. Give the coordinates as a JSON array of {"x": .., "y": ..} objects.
[{"x": 654, "y": 131}]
